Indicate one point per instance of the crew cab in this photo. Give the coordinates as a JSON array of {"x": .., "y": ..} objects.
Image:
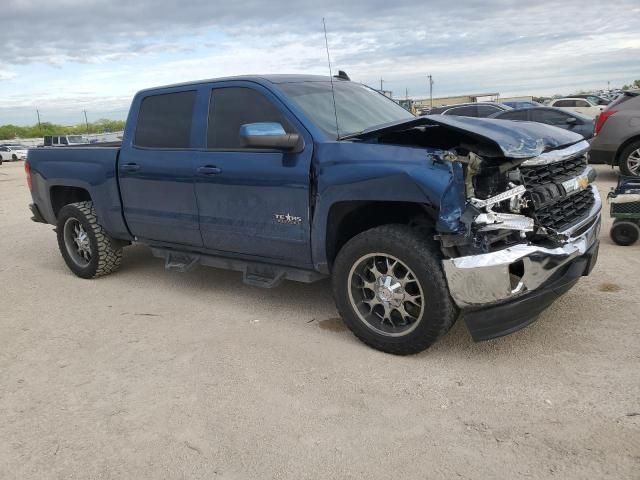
[{"x": 417, "y": 220}]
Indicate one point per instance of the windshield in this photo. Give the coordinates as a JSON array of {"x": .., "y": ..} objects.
[
  {"x": 76, "y": 139},
  {"x": 358, "y": 107}
]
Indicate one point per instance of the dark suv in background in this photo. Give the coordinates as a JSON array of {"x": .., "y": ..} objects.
[
  {"x": 572, "y": 121},
  {"x": 617, "y": 135}
]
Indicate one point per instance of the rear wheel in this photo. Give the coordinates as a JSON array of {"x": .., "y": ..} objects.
[
  {"x": 86, "y": 248},
  {"x": 630, "y": 160},
  {"x": 390, "y": 289},
  {"x": 625, "y": 232}
]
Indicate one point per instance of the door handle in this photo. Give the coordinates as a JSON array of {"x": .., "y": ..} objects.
[
  {"x": 209, "y": 170},
  {"x": 129, "y": 167}
]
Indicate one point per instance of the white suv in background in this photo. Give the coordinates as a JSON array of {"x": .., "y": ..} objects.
[
  {"x": 10, "y": 152},
  {"x": 578, "y": 105}
]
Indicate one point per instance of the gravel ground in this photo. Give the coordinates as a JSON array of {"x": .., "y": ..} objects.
[{"x": 148, "y": 374}]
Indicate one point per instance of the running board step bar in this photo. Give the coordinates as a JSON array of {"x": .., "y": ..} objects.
[{"x": 256, "y": 274}]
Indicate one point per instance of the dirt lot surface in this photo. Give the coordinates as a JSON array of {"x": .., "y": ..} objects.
[{"x": 147, "y": 374}]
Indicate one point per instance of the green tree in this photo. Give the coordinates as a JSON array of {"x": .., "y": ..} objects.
[{"x": 9, "y": 132}]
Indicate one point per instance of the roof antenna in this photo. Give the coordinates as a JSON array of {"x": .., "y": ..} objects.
[{"x": 333, "y": 95}]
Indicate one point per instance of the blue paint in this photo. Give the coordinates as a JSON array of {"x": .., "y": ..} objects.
[{"x": 226, "y": 201}]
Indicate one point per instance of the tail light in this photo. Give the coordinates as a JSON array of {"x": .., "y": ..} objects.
[
  {"x": 27, "y": 170},
  {"x": 602, "y": 118}
]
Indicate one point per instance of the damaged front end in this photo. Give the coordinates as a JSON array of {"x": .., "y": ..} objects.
[
  {"x": 530, "y": 230},
  {"x": 529, "y": 225},
  {"x": 534, "y": 200}
]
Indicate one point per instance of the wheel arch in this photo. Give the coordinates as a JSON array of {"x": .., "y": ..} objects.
[
  {"x": 623, "y": 146},
  {"x": 61, "y": 195},
  {"x": 346, "y": 219}
]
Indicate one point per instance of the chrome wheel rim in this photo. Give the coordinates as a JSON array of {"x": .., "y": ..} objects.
[
  {"x": 77, "y": 242},
  {"x": 633, "y": 162},
  {"x": 385, "y": 294}
]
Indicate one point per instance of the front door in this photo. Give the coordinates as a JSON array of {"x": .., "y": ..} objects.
[
  {"x": 157, "y": 171},
  {"x": 253, "y": 202}
]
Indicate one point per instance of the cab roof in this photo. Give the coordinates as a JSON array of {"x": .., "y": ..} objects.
[{"x": 274, "y": 79}]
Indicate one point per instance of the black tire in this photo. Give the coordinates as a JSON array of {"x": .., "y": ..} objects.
[
  {"x": 625, "y": 159},
  {"x": 104, "y": 256},
  {"x": 419, "y": 253},
  {"x": 624, "y": 232}
]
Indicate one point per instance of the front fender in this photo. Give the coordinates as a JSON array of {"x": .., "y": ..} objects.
[{"x": 383, "y": 173}]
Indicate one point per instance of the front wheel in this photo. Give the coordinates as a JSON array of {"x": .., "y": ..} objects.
[
  {"x": 86, "y": 248},
  {"x": 390, "y": 289}
]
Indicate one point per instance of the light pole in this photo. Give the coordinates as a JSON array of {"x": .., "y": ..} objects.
[
  {"x": 430, "y": 91},
  {"x": 86, "y": 122}
]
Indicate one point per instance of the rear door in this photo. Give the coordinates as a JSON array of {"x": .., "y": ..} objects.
[
  {"x": 253, "y": 201},
  {"x": 156, "y": 170}
]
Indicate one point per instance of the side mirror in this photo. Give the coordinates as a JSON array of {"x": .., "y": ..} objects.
[
  {"x": 571, "y": 120},
  {"x": 267, "y": 135}
]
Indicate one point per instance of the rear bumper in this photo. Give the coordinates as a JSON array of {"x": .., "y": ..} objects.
[
  {"x": 602, "y": 156},
  {"x": 502, "y": 291}
]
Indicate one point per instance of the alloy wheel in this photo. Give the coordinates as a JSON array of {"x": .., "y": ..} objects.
[{"x": 386, "y": 294}]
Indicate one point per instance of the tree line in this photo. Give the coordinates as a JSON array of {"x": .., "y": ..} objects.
[{"x": 9, "y": 132}]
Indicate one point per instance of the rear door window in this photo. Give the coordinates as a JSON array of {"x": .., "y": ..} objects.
[
  {"x": 165, "y": 120},
  {"x": 232, "y": 107}
]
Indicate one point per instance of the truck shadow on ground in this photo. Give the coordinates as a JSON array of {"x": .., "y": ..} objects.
[{"x": 313, "y": 304}]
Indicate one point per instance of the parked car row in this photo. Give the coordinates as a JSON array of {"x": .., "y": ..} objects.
[{"x": 614, "y": 127}]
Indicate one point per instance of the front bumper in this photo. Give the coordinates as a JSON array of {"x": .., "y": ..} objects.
[{"x": 492, "y": 289}]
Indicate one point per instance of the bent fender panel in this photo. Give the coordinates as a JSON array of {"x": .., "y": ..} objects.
[{"x": 383, "y": 173}]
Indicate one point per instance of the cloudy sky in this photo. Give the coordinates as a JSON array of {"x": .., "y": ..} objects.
[{"x": 65, "y": 56}]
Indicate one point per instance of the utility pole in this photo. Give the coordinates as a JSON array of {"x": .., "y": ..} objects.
[
  {"x": 430, "y": 91},
  {"x": 86, "y": 122},
  {"x": 38, "y": 113},
  {"x": 406, "y": 93},
  {"x": 608, "y": 86},
  {"x": 381, "y": 82}
]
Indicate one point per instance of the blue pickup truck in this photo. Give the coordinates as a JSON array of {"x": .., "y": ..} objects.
[{"x": 417, "y": 220}]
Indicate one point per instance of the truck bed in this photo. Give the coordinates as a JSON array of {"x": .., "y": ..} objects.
[{"x": 92, "y": 168}]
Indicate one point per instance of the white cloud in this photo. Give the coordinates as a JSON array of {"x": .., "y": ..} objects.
[{"x": 94, "y": 54}]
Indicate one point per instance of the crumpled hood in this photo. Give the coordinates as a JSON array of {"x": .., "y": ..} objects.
[{"x": 516, "y": 140}]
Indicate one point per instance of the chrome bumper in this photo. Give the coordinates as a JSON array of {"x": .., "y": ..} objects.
[{"x": 485, "y": 279}]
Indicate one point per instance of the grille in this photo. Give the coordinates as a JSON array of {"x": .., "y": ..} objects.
[
  {"x": 556, "y": 172},
  {"x": 631, "y": 207},
  {"x": 566, "y": 212}
]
